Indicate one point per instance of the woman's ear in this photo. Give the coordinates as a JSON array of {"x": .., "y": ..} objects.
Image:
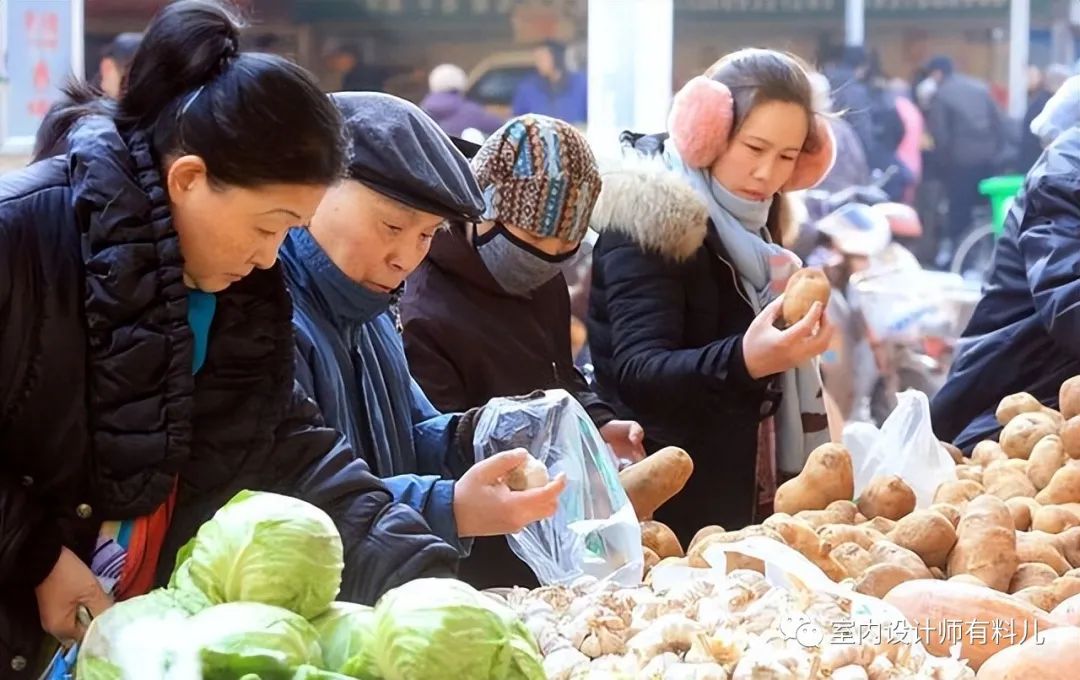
[
  {"x": 185, "y": 175},
  {"x": 814, "y": 164}
]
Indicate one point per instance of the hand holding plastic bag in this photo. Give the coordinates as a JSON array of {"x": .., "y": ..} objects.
[
  {"x": 905, "y": 446},
  {"x": 594, "y": 530}
]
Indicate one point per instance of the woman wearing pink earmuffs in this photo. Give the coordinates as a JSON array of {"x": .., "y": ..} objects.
[{"x": 687, "y": 275}]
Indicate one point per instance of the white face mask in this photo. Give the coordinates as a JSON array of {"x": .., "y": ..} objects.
[{"x": 518, "y": 267}]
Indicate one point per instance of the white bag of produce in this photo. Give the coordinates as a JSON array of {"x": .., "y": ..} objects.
[
  {"x": 904, "y": 446},
  {"x": 595, "y": 531}
]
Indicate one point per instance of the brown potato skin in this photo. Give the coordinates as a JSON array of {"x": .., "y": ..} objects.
[{"x": 804, "y": 288}]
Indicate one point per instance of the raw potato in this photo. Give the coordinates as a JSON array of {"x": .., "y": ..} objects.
[
  {"x": 1053, "y": 655},
  {"x": 938, "y": 573},
  {"x": 887, "y": 496},
  {"x": 987, "y": 452},
  {"x": 661, "y": 539},
  {"x": 1065, "y": 587},
  {"x": 1068, "y": 543},
  {"x": 1031, "y": 547},
  {"x": 837, "y": 512},
  {"x": 1053, "y": 519},
  {"x": 986, "y": 545},
  {"x": 956, "y": 454},
  {"x": 696, "y": 555},
  {"x": 882, "y": 524},
  {"x": 1070, "y": 437},
  {"x": 972, "y": 472},
  {"x": 652, "y": 482},
  {"x": 1022, "y": 510},
  {"x": 651, "y": 558},
  {"x": 532, "y": 474},
  {"x": 885, "y": 552},
  {"x": 1068, "y": 611},
  {"x": 879, "y": 579},
  {"x": 968, "y": 578},
  {"x": 804, "y": 288},
  {"x": 1015, "y": 404},
  {"x": 1074, "y": 508},
  {"x": 826, "y": 477},
  {"x": 957, "y": 492},
  {"x": 801, "y": 536},
  {"x": 853, "y": 558},
  {"x": 1046, "y": 458},
  {"x": 949, "y": 512},
  {"x": 1055, "y": 417},
  {"x": 1032, "y": 574},
  {"x": 1069, "y": 398},
  {"x": 1040, "y": 596},
  {"x": 704, "y": 532},
  {"x": 927, "y": 534},
  {"x": 837, "y": 534},
  {"x": 1024, "y": 431},
  {"x": 929, "y": 605},
  {"x": 1007, "y": 481},
  {"x": 1064, "y": 487}
]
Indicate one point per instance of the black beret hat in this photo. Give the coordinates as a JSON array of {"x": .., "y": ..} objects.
[{"x": 399, "y": 151}]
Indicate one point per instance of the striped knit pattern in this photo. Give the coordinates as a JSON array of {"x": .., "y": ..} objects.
[{"x": 539, "y": 174}]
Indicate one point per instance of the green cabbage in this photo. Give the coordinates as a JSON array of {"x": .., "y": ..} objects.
[
  {"x": 443, "y": 628},
  {"x": 96, "y": 668},
  {"x": 267, "y": 548},
  {"x": 241, "y": 638},
  {"x": 138, "y": 622},
  {"x": 345, "y": 633}
]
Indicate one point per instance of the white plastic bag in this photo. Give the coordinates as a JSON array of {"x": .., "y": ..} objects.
[
  {"x": 595, "y": 530},
  {"x": 905, "y": 446}
]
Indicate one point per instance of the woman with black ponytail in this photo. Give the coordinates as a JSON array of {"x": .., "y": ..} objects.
[{"x": 146, "y": 348}]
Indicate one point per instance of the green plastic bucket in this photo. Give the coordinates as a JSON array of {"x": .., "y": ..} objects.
[{"x": 1001, "y": 191}]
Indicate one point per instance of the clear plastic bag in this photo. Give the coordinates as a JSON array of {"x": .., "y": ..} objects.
[
  {"x": 905, "y": 446},
  {"x": 594, "y": 531}
]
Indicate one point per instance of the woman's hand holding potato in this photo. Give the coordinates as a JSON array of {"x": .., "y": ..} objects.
[{"x": 767, "y": 350}]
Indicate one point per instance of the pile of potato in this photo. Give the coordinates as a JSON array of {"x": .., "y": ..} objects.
[
  {"x": 1005, "y": 535},
  {"x": 713, "y": 628}
]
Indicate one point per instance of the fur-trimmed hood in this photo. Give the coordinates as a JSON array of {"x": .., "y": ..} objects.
[{"x": 649, "y": 202}]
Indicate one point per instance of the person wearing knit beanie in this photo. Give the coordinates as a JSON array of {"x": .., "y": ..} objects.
[{"x": 487, "y": 314}]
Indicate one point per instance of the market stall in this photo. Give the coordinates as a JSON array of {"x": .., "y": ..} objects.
[{"x": 952, "y": 568}]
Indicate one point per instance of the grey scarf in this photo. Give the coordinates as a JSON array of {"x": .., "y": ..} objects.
[{"x": 763, "y": 268}]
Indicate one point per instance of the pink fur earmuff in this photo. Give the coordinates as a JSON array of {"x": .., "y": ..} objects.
[
  {"x": 700, "y": 123},
  {"x": 812, "y": 166}
]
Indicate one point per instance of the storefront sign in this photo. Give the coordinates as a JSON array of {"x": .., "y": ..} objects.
[{"x": 42, "y": 43}]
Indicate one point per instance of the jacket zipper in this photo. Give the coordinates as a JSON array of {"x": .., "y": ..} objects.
[
  {"x": 742, "y": 294},
  {"x": 738, "y": 285}
]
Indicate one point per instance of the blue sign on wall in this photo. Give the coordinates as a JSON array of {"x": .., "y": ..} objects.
[{"x": 43, "y": 39}]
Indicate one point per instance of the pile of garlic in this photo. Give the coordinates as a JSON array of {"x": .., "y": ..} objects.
[{"x": 715, "y": 628}]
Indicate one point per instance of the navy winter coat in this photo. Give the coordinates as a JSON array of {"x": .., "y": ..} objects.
[{"x": 1025, "y": 333}]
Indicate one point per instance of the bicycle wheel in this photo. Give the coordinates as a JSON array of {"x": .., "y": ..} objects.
[{"x": 974, "y": 254}]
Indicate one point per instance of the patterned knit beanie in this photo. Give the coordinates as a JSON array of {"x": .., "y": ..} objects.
[{"x": 539, "y": 174}]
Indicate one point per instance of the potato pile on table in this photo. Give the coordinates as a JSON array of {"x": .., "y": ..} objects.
[{"x": 1001, "y": 542}]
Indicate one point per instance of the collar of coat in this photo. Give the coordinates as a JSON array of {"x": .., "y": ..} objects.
[
  {"x": 650, "y": 203},
  {"x": 143, "y": 419}
]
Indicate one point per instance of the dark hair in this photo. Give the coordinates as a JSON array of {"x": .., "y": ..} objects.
[
  {"x": 940, "y": 63},
  {"x": 122, "y": 49},
  {"x": 558, "y": 53},
  {"x": 756, "y": 76},
  {"x": 253, "y": 118}
]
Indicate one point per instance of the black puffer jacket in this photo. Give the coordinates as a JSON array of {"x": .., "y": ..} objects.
[
  {"x": 99, "y": 412},
  {"x": 1025, "y": 333},
  {"x": 666, "y": 320}
]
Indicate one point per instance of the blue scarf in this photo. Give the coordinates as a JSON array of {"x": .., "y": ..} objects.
[{"x": 370, "y": 357}]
